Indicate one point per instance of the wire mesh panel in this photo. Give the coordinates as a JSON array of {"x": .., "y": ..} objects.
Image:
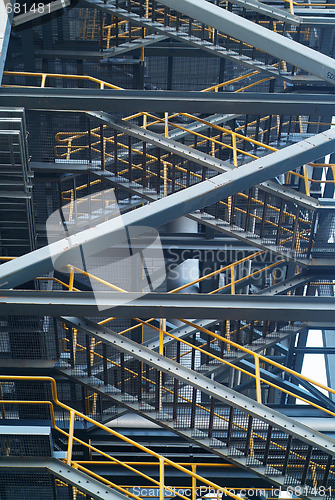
[
  {"x": 19, "y": 485},
  {"x": 24, "y": 445}
]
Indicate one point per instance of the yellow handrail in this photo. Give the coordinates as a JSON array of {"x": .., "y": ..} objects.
[
  {"x": 229, "y": 342},
  {"x": 71, "y": 438}
]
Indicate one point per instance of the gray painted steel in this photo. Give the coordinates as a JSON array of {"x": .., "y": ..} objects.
[
  {"x": 165, "y": 305},
  {"x": 269, "y": 10},
  {"x": 132, "y": 101},
  {"x": 164, "y": 210},
  {"x": 195, "y": 156}
]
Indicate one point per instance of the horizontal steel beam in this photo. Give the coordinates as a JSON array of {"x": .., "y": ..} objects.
[
  {"x": 164, "y": 210},
  {"x": 131, "y": 101},
  {"x": 252, "y": 33},
  {"x": 165, "y": 305}
]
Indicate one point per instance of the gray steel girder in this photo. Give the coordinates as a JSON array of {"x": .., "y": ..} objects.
[
  {"x": 164, "y": 210},
  {"x": 165, "y": 305},
  {"x": 48, "y": 8},
  {"x": 132, "y": 101},
  {"x": 270, "y": 11},
  {"x": 204, "y": 384}
]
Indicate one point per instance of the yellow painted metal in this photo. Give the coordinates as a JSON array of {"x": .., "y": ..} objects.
[
  {"x": 185, "y": 464},
  {"x": 70, "y": 441},
  {"x": 233, "y": 138},
  {"x": 218, "y": 271},
  {"x": 260, "y": 356},
  {"x": 45, "y": 76},
  {"x": 232, "y": 279},
  {"x": 71, "y": 278},
  {"x": 257, "y": 357},
  {"x": 166, "y": 125},
  {"x": 70, "y": 435},
  {"x": 161, "y": 479},
  {"x": 194, "y": 482}
]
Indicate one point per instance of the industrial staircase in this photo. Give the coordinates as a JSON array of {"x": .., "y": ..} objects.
[
  {"x": 162, "y": 20},
  {"x": 204, "y": 411},
  {"x": 175, "y": 391},
  {"x": 60, "y": 455}
]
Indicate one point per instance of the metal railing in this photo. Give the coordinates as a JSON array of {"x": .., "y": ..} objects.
[
  {"x": 157, "y": 459},
  {"x": 223, "y": 340}
]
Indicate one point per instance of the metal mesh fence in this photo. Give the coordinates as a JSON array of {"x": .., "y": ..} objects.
[{"x": 18, "y": 485}]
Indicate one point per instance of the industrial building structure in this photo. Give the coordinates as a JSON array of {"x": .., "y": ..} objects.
[{"x": 167, "y": 220}]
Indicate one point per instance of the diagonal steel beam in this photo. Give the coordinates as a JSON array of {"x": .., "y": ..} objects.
[
  {"x": 164, "y": 210},
  {"x": 197, "y": 157},
  {"x": 202, "y": 383},
  {"x": 130, "y": 46},
  {"x": 277, "y": 45}
]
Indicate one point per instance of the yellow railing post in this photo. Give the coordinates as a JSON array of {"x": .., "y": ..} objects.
[
  {"x": 70, "y": 442},
  {"x": 165, "y": 179},
  {"x": 291, "y": 6},
  {"x": 44, "y": 77},
  {"x": 194, "y": 482},
  {"x": 213, "y": 149},
  {"x": 71, "y": 278},
  {"x": 162, "y": 329},
  {"x": 232, "y": 279},
  {"x": 161, "y": 479},
  {"x": 166, "y": 124},
  {"x": 258, "y": 379}
]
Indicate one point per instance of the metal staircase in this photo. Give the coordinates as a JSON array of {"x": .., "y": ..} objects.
[
  {"x": 202, "y": 410},
  {"x": 180, "y": 27}
]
